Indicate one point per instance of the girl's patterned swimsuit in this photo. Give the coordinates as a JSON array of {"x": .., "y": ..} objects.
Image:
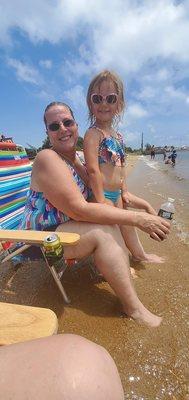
[
  {"x": 39, "y": 213},
  {"x": 111, "y": 149}
]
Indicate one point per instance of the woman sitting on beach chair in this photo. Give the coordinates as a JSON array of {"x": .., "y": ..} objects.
[{"x": 58, "y": 197}]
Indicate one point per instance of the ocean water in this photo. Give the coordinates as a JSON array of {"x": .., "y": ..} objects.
[
  {"x": 163, "y": 181},
  {"x": 178, "y": 172}
]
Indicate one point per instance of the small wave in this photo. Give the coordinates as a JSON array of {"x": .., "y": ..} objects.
[
  {"x": 158, "y": 165},
  {"x": 181, "y": 233},
  {"x": 152, "y": 164}
]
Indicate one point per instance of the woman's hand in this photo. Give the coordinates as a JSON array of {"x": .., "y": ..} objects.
[{"x": 156, "y": 226}]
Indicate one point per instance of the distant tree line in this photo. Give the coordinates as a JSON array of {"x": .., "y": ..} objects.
[{"x": 46, "y": 145}]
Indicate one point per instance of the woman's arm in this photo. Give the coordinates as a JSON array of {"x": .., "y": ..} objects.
[
  {"x": 91, "y": 146},
  {"x": 55, "y": 180}
]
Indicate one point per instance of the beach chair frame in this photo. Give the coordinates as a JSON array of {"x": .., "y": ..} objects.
[
  {"x": 15, "y": 174},
  {"x": 37, "y": 238}
]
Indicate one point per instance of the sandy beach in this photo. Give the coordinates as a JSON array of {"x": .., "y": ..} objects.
[{"x": 152, "y": 362}]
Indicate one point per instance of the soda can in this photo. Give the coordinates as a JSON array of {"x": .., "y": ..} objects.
[{"x": 53, "y": 248}]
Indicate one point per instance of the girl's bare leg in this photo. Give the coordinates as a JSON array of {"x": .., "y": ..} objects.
[
  {"x": 134, "y": 245},
  {"x": 111, "y": 258}
]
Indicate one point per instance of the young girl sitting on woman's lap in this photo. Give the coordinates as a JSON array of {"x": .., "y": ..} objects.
[
  {"x": 105, "y": 157},
  {"x": 104, "y": 147}
]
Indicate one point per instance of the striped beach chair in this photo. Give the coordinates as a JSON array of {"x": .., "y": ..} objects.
[{"x": 15, "y": 174}]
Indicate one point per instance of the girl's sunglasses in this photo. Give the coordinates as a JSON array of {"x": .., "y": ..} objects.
[
  {"x": 98, "y": 98},
  {"x": 55, "y": 126}
]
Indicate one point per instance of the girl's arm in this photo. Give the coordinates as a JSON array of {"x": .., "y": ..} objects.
[
  {"x": 130, "y": 200},
  {"x": 124, "y": 190},
  {"x": 139, "y": 203},
  {"x": 81, "y": 170},
  {"x": 91, "y": 146}
]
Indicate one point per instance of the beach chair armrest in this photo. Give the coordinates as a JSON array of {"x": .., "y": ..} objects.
[{"x": 37, "y": 237}]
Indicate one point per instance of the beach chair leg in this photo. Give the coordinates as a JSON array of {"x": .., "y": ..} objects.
[
  {"x": 57, "y": 277},
  {"x": 59, "y": 284}
]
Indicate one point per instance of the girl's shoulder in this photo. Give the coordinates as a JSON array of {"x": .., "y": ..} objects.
[{"x": 93, "y": 132}]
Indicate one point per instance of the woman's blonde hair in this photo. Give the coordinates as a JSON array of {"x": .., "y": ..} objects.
[{"x": 96, "y": 81}]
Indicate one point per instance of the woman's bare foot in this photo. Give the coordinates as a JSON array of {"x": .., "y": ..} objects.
[
  {"x": 144, "y": 316},
  {"x": 150, "y": 258}
]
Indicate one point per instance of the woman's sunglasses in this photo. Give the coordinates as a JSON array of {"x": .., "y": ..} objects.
[
  {"x": 55, "y": 126},
  {"x": 98, "y": 98}
]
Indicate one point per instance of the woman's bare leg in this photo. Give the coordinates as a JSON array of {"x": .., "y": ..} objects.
[
  {"x": 111, "y": 258},
  {"x": 59, "y": 367}
]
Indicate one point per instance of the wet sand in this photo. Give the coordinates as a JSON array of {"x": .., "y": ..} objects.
[{"x": 152, "y": 362}]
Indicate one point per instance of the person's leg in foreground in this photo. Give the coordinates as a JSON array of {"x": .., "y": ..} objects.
[
  {"x": 58, "y": 367},
  {"x": 111, "y": 258}
]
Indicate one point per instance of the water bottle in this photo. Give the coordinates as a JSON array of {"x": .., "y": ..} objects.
[{"x": 167, "y": 209}]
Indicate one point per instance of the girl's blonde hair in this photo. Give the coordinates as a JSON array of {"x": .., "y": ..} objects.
[{"x": 96, "y": 81}]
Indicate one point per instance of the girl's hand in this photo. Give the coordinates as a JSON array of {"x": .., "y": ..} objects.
[
  {"x": 156, "y": 226},
  {"x": 125, "y": 197},
  {"x": 150, "y": 210}
]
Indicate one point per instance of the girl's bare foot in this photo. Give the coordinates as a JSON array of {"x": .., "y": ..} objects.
[
  {"x": 144, "y": 316},
  {"x": 133, "y": 273},
  {"x": 150, "y": 258}
]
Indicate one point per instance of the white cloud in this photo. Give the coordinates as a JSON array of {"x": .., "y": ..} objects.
[
  {"x": 46, "y": 64},
  {"x": 24, "y": 72},
  {"x": 144, "y": 41},
  {"x": 136, "y": 110},
  {"x": 132, "y": 137},
  {"x": 151, "y": 129},
  {"x": 126, "y": 32},
  {"x": 75, "y": 69},
  {"x": 177, "y": 94},
  {"x": 148, "y": 92},
  {"x": 76, "y": 96}
]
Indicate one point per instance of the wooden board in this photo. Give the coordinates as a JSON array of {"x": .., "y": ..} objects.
[
  {"x": 37, "y": 237},
  {"x": 19, "y": 323}
]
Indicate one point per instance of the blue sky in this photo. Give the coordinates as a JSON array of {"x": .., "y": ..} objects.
[{"x": 50, "y": 50}]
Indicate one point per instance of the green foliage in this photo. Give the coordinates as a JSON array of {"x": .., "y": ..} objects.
[
  {"x": 79, "y": 143},
  {"x": 148, "y": 146},
  {"x": 46, "y": 143},
  {"x": 128, "y": 150}
]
